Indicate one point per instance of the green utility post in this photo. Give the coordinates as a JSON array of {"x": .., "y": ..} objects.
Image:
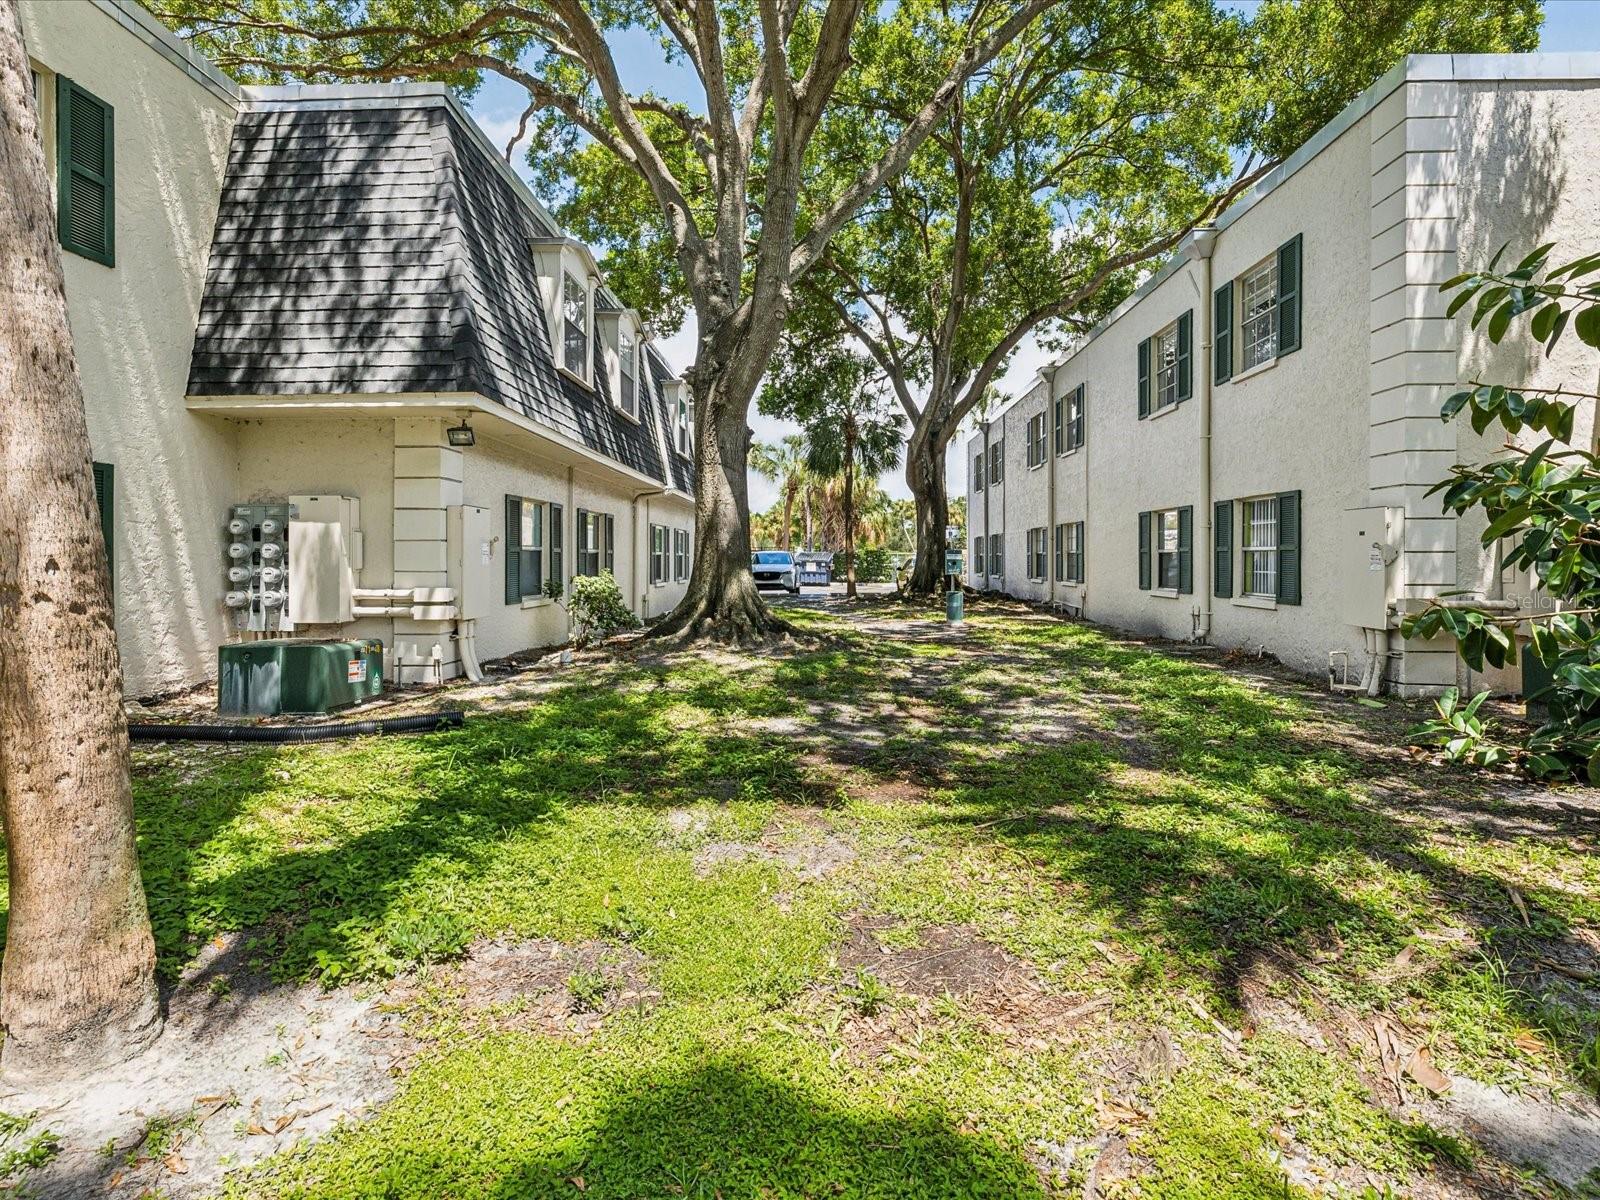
[{"x": 954, "y": 599}]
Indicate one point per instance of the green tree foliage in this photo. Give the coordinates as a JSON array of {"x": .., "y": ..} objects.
[
  {"x": 850, "y": 431},
  {"x": 1541, "y": 503},
  {"x": 783, "y": 463},
  {"x": 1071, "y": 165}
]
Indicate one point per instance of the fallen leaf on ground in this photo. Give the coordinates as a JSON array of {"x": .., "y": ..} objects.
[{"x": 1420, "y": 1067}]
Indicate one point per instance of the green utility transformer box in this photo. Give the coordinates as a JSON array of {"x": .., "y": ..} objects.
[{"x": 296, "y": 675}]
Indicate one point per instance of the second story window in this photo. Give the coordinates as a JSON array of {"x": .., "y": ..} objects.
[
  {"x": 1036, "y": 443},
  {"x": 1164, "y": 356},
  {"x": 575, "y": 336},
  {"x": 997, "y": 462},
  {"x": 628, "y": 353},
  {"x": 1165, "y": 375},
  {"x": 1258, "y": 315}
]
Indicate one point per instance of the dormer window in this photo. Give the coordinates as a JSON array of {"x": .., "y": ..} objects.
[
  {"x": 577, "y": 338},
  {"x": 568, "y": 279},
  {"x": 628, "y": 370},
  {"x": 685, "y": 421}
]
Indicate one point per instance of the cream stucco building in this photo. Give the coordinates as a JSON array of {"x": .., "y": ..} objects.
[
  {"x": 302, "y": 296},
  {"x": 1242, "y": 451}
]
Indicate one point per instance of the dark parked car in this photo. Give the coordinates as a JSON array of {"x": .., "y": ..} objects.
[{"x": 775, "y": 569}]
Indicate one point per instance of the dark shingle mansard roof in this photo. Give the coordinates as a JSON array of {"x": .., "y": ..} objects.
[
  {"x": 680, "y": 466},
  {"x": 379, "y": 250}
]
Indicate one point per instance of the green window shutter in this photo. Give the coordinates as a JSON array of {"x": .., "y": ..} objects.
[
  {"x": 1078, "y": 418},
  {"x": 585, "y": 547},
  {"x": 1144, "y": 552},
  {"x": 558, "y": 533},
  {"x": 1289, "y": 289},
  {"x": 513, "y": 549},
  {"x": 1083, "y": 554},
  {"x": 105, "y": 477},
  {"x": 1222, "y": 333},
  {"x": 1144, "y": 379},
  {"x": 611, "y": 543},
  {"x": 1186, "y": 355},
  {"x": 1222, "y": 548},
  {"x": 1288, "y": 547},
  {"x": 1186, "y": 549},
  {"x": 85, "y": 169}
]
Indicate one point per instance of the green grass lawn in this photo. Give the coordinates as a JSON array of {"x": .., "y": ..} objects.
[{"x": 1191, "y": 891}]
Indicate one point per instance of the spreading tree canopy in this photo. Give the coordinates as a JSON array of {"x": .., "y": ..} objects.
[{"x": 730, "y": 198}]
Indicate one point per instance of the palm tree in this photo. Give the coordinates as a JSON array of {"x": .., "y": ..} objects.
[
  {"x": 784, "y": 464},
  {"x": 853, "y": 435}
]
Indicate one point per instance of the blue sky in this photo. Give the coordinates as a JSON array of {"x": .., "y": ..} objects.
[{"x": 1570, "y": 26}]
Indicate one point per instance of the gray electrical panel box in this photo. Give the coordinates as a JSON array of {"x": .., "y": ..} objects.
[{"x": 1370, "y": 546}]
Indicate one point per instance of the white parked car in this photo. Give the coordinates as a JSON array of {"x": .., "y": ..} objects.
[{"x": 775, "y": 569}]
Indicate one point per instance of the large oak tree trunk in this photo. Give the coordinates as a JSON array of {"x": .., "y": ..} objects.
[
  {"x": 77, "y": 988},
  {"x": 925, "y": 466},
  {"x": 721, "y": 602}
]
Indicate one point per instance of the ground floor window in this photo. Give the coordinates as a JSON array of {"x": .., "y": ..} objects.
[
  {"x": 680, "y": 555},
  {"x": 658, "y": 554},
  {"x": 1069, "y": 552},
  {"x": 533, "y": 547},
  {"x": 1036, "y": 553},
  {"x": 977, "y": 555},
  {"x": 591, "y": 536},
  {"x": 1167, "y": 546},
  {"x": 996, "y": 554},
  {"x": 1260, "y": 546}
]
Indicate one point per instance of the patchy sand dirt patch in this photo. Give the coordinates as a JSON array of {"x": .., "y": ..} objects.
[
  {"x": 809, "y": 858},
  {"x": 955, "y": 960},
  {"x": 244, "y": 1068},
  {"x": 549, "y": 986}
]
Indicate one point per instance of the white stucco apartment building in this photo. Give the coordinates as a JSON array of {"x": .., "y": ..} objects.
[
  {"x": 1241, "y": 452},
  {"x": 301, "y": 296}
]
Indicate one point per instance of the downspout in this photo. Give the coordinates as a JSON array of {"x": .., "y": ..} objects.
[
  {"x": 1202, "y": 242},
  {"x": 1052, "y": 567},
  {"x": 569, "y": 548},
  {"x": 988, "y": 482},
  {"x": 641, "y": 577}
]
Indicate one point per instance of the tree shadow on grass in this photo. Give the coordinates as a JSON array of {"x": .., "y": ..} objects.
[{"x": 1228, "y": 824}]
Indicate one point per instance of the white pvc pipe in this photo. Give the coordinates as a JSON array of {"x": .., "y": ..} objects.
[{"x": 467, "y": 643}]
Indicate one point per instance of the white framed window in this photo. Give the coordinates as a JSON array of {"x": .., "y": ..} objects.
[
  {"x": 533, "y": 547},
  {"x": 577, "y": 338},
  {"x": 997, "y": 555},
  {"x": 1260, "y": 545},
  {"x": 1036, "y": 443},
  {"x": 1036, "y": 553},
  {"x": 978, "y": 483},
  {"x": 997, "y": 462},
  {"x": 1164, "y": 366},
  {"x": 1069, "y": 552},
  {"x": 680, "y": 555},
  {"x": 628, "y": 367},
  {"x": 1258, "y": 314},
  {"x": 977, "y": 549},
  {"x": 685, "y": 421},
  {"x": 1069, "y": 434},
  {"x": 1167, "y": 547}
]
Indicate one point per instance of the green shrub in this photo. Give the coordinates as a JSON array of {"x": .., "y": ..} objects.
[
  {"x": 874, "y": 565},
  {"x": 598, "y": 609},
  {"x": 1541, "y": 502}
]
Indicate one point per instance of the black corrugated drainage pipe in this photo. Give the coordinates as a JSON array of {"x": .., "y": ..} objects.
[{"x": 427, "y": 723}]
